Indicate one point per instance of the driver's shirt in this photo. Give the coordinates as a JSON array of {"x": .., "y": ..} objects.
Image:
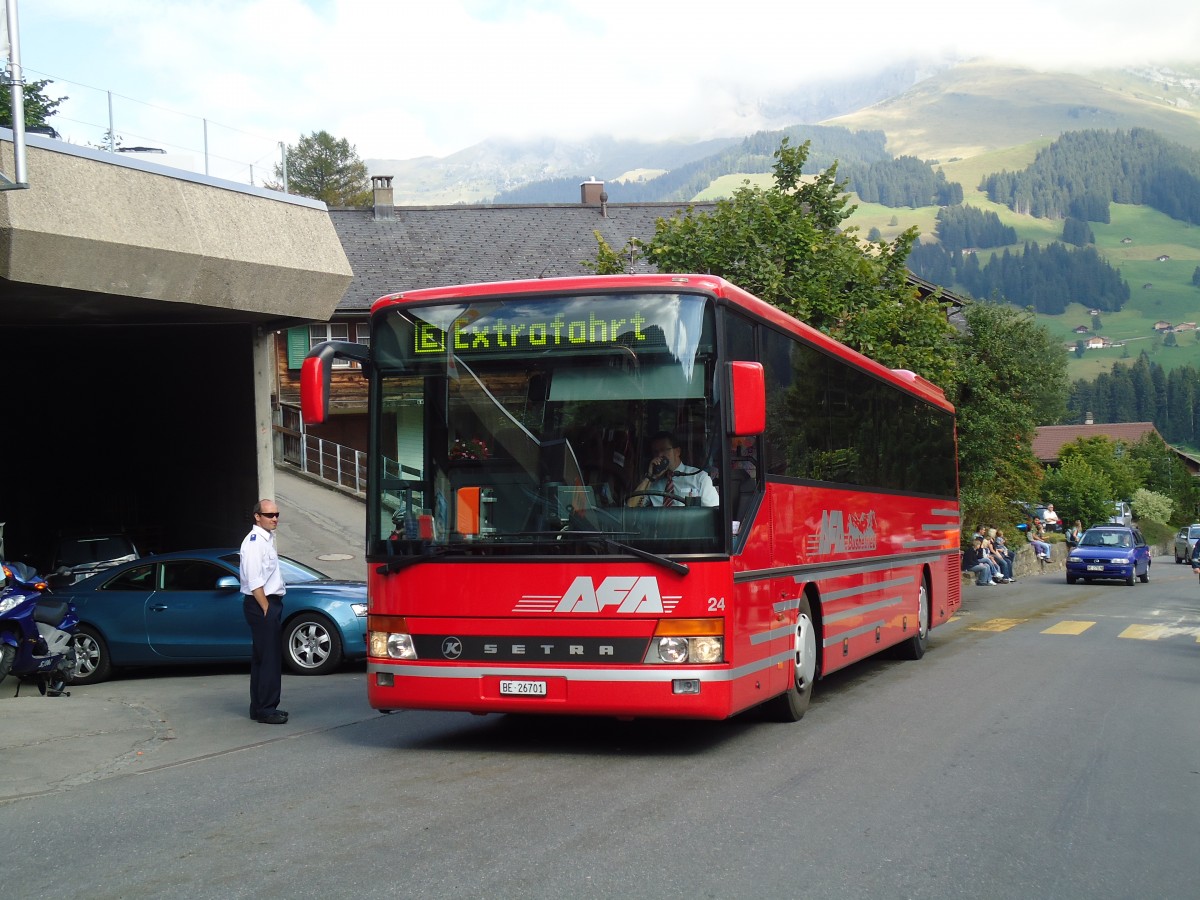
[
  {"x": 260, "y": 564},
  {"x": 696, "y": 483}
]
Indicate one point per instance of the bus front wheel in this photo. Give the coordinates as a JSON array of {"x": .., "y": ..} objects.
[{"x": 792, "y": 704}]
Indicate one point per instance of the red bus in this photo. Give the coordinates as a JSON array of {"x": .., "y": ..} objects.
[{"x": 524, "y": 556}]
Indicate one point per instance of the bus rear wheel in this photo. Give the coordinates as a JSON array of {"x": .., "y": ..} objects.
[
  {"x": 914, "y": 647},
  {"x": 792, "y": 704}
]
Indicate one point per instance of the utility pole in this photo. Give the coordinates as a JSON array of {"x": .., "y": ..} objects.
[{"x": 16, "y": 85}]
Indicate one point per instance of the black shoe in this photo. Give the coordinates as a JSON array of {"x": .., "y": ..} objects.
[
  {"x": 274, "y": 718},
  {"x": 255, "y": 716}
]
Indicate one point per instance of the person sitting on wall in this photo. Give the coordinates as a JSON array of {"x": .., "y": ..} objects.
[{"x": 668, "y": 482}]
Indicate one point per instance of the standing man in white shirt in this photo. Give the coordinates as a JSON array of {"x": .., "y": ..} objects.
[{"x": 262, "y": 584}]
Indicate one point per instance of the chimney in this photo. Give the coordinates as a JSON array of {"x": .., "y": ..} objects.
[
  {"x": 1087, "y": 418},
  {"x": 381, "y": 186},
  {"x": 591, "y": 191}
]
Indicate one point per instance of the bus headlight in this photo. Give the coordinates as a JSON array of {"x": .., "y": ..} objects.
[
  {"x": 704, "y": 650},
  {"x": 673, "y": 650},
  {"x": 392, "y": 645}
]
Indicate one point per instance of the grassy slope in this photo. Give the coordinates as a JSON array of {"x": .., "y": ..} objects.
[{"x": 980, "y": 118}]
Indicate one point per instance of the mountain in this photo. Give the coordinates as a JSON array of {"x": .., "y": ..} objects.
[
  {"x": 479, "y": 173},
  {"x": 979, "y": 107}
]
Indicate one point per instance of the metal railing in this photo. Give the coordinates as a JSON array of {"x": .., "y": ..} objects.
[{"x": 329, "y": 461}]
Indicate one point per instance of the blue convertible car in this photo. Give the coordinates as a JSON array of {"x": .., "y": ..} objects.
[
  {"x": 1110, "y": 551},
  {"x": 186, "y": 607}
]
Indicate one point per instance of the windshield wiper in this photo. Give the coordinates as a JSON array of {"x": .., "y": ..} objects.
[{"x": 604, "y": 538}]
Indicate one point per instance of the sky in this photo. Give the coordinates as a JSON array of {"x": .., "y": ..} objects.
[{"x": 407, "y": 78}]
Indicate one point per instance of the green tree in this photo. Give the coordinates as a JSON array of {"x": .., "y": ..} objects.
[
  {"x": 1152, "y": 506},
  {"x": 785, "y": 244},
  {"x": 1011, "y": 378},
  {"x": 327, "y": 169},
  {"x": 1124, "y": 471},
  {"x": 1078, "y": 491},
  {"x": 38, "y": 107}
]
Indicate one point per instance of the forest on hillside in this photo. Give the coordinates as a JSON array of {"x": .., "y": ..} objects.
[
  {"x": 1083, "y": 172},
  {"x": 1046, "y": 278},
  {"x": 1142, "y": 392}
]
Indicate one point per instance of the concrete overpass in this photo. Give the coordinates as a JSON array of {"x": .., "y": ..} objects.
[{"x": 137, "y": 307}]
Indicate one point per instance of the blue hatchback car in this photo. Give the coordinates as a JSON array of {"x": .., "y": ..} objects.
[
  {"x": 1110, "y": 551},
  {"x": 186, "y": 608}
]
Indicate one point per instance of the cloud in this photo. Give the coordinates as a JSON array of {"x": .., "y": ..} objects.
[{"x": 403, "y": 79}]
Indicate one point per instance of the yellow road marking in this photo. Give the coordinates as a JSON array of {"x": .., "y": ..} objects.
[
  {"x": 1154, "y": 632},
  {"x": 1069, "y": 627},
  {"x": 997, "y": 625}
]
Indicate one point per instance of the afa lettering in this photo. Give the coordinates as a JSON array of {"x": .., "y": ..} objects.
[{"x": 628, "y": 593}]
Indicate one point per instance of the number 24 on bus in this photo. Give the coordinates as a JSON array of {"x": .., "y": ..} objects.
[{"x": 528, "y": 552}]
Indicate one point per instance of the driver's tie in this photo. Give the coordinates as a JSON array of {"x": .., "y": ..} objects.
[{"x": 670, "y": 489}]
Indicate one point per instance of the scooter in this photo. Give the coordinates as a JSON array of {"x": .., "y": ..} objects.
[{"x": 36, "y": 632}]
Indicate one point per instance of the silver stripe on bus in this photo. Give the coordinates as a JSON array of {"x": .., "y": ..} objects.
[
  {"x": 861, "y": 610},
  {"x": 830, "y": 596},
  {"x": 763, "y": 636},
  {"x": 935, "y": 542},
  {"x": 857, "y": 632},
  {"x": 646, "y": 674},
  {"x": 825, "y": 570}
]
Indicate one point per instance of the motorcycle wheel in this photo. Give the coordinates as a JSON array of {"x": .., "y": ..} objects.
[
  {"x": 7, "y": 654},
  {"x": 61, "y": 675}
]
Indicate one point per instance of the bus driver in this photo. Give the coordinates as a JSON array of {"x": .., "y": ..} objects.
[{"x": 667, "y": 477}]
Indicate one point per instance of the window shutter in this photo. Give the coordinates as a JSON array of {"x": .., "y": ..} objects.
[{"x": 297, "y": 346}]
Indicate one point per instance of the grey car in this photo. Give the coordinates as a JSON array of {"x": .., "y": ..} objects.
[{"x": 1185, "y": 543}]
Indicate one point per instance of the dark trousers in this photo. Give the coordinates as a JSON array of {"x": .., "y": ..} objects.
[{"x": 266, "y": 665}]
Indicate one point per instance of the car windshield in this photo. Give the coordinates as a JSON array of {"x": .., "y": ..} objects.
[
  {"x": 1098, "y": 538},
  {"x": 293, "y": 572}
]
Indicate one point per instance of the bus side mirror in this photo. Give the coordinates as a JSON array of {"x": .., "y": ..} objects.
[
  {"x": 747, "y": 399},
  {"x": 314, "y": 390},
  {"x": 315, "y": 372}
]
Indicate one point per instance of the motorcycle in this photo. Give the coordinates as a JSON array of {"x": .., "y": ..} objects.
[{"x": 36, "y": 632}]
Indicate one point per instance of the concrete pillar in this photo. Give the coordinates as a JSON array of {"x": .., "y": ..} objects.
[{"x": 264, "y": 367}]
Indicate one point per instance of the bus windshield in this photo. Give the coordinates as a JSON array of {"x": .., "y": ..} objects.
[{"x": 525, "y": 425}]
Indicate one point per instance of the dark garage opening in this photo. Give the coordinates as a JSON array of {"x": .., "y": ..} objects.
[{"x": 144, "y": 429}]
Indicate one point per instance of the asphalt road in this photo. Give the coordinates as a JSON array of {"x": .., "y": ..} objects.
[
  {"x": 320, "y": 526},
  {"x": 1045, "y": 747}
]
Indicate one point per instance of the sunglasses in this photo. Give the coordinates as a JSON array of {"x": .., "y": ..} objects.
[{"x": 273, "y": 515}]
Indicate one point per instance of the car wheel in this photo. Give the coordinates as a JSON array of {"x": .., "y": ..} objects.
[
  {"x": 312, "y": 645},
  {"x": 792, "y": 704},
  {"x": 1145, "y": 576},
  {"x": 93, "y": 663},
  {"x": 1129, "y": 577}
]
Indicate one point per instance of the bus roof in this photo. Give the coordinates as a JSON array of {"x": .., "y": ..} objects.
[{"x": 708, "y": 284}]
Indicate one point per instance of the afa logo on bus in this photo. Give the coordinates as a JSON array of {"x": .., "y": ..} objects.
[{"x": 627, "y": 593}]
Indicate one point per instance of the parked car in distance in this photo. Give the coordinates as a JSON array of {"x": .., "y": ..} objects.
[
  {"x": 1185, "y": 543},
  {"x": 186, "y": 608},
  {"x": 1035, "y": 511},
  {"x": 1122, "y": 514},
  {"x": 1109, "y": 551},
  {"x": 85, "y": 555}
]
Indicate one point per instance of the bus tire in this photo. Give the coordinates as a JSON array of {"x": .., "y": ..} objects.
[
  {"x": 792, "y": 704},
  {"x": 914, "y": 647}
]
